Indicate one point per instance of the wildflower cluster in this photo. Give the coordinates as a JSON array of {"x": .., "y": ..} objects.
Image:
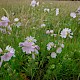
[{"x": 58, "y": 48}]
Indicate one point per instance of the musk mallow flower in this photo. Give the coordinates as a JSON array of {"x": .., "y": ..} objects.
[
  {"x": 53, "y": 55},
  {"x": 29, "y": 47},
  {"x": 57, "y": 11},
  {"x": 4, "y": 21},
  {"x": 7, "y": 56},
  {"x": 66, "y": 32},
  {"x": 73, "y": 14},
  {"x": 50, "y": 45},
  {"x": 31, "y": 39},
  {"x": 10, "y": 52}
]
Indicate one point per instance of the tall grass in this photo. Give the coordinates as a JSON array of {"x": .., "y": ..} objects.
[{"x": 67, "y": 64}]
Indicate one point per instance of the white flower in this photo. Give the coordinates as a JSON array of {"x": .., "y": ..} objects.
[
  {"x": 16, "y": 20},
  {"x": 5, "y": 19},
  {"x": 62, "y": 45},
  {"x": 37, "y": 3},
  {"x": 51, "y": 31},
  {"x": 43, "y": 25},
  {"x": 46, "y": 10},
  {"x": 73, "y": 14},
  {"x": 53, "y": 55},
  {"x": 1, "y": 50},
  {"x": 59, "y": 50},
  {"x": 33, "y": 3},
  {"x": 66, "y": 32},
  {"x": 57, "y": 11},
  {"x": 31, "y": 39},
  {"x": 47, "y": 32},
  {"x": 50, "y": 45}
]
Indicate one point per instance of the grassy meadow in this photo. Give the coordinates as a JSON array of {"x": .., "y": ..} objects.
[{"x": 66, "y": 65}]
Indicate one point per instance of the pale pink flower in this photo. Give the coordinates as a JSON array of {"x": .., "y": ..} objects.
[
  {"x": 73, "y": 14},
  {"x": 53, "y": 55},
  {"x": 7, "y": 56},
  {"x": 33, "y": 3},
  {"x": 59, "y": 50},
  {"x": 3, "y": 23},
  {"x": 5, "y": 19},
  {"x": 27, "y": 47},
  {"x": 47, "y": 32},
  {"x": 66, "y": 32}
]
